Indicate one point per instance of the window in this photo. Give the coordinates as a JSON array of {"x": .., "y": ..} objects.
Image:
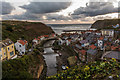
[
  {"x": 8, "y": 49},
  {"x": 19, "y": 45},
  {"x": 4, "y": 53},
  {"x": 11, "y": 53},
  {"x": 22, "y": 52},
  {"x": 0, "y": 49},
  {"x": 12, "y": 46}
]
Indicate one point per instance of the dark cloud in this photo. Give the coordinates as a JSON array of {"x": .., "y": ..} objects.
[
  {"x": 96, "y": 8},
  {"x": 45, "y": 7},
  {"x": 6, "y": 8},
  {"x": 57, "y": 17},
  {"x": 25, "y": 16},
  {"x": 28, "y": 16}
]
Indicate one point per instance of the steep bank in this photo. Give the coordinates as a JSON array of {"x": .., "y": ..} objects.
[
  {"x": 26, "y": 68},
  {"x": 22, "y": 29},
  {"x": 107, "y": 23}
]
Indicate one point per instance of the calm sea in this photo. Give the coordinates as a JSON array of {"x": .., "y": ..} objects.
[{"x": 58, "y": 28}]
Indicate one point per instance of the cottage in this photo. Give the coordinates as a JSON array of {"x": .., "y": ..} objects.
[
  {"x": 46, "y": 36},
  {"x": 21, "y": 46},
  {"x": 108, "y": 32},
  {"x": 84, "y": 43},
  {"x": 91, "y": 55},
  {"x": 68, "y": 42},
  {"x": 93, "y": 46},
  {"x": 42, "y": 38},
  {"x": 3, "y": 52},
  {"x": 100, "y": 43},
  {"x": 82, "y": 55},
  {"x": 35, "y": 41},
  {"x": 53, "y": 35},
  {"x": 8, "y": 45}
]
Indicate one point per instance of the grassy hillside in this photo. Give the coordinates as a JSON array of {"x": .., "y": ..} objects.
[
  {"x": 21, "y": 29},
  {"x": 91, "y": 71},
  {"x": 25, "y": 68},
  {"x": 107, "y": 23}
]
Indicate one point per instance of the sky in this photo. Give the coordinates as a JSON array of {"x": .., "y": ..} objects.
[{"x": 59, "y": 11}]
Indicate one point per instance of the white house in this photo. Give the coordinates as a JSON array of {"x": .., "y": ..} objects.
[
  {"x": 68, "y": 42},
  {"x": 35, "y": 41},
  {"x": 42, "y": 38},
  {"x": 61, "y": 42},
  {"x": 117, "y": 41},
  {"x": 108, "y": 32},
  {"x": 100, "y": 44},
  {"x": 80, "y": 38},
  {"x": 21, "y": 45}
]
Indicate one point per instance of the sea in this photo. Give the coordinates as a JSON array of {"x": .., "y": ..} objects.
[{"x": 59, "y": 28}]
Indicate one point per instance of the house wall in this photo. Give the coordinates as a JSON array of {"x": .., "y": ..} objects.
[
  {"x": 10, "y": 51},
  {"x": 108, "y": 33},
  {"x": 42, "y": 38},
  {"x": 3, "y": 53},
  {"x": 35, "y": 41},
  {"x": 21, "y": 49}
]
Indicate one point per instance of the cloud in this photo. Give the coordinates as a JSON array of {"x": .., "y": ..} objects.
[
  {"x": 45, "y": 7},
  {"x": 24, "y": 16},
  {"x": 96, "y": 8},
  {"x": 57, "y": 17},
  {"x": 6, "y": 8},
  {"x": 28, "y": 16},
  {"x": 36, "y": 11}
]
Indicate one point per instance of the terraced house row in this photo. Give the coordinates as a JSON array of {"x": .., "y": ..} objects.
[{"x": 7, "y": 50}]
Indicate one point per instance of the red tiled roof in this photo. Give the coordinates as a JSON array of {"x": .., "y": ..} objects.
[
  {"x": 69, "y": 40},
  {"x": 113, "y": 47},
  {"x": 105, "y": 44},
  {"x": 101, "y": 38},
  {"x": 38, "y": 39},
  {"x": 92, "y": 46},
  {"x": 83, "y": 52},
  {"x": 53, "y": 35},
  {"x": 46, "y": 35},
  {"x": 40, "y": 36},
  {"x": 23, "y": 42}
]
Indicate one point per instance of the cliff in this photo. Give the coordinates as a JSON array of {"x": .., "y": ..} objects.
[
  {"x": 28, "y": 67},
  {"x": 22, "y": 29},
  {"x": 107, "y": 23}
]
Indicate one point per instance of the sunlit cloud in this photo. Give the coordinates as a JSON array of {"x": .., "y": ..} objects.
[{"x": 63, "y": 14}]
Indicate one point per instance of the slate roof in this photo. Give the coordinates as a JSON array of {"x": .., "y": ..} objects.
[
  {"x": 91, "y": 51},
  {"x": 7, "y": 42},
  {"x": 83, "y": 41},
  {"x": 113, "y": 54},
  {"x": 78, "y": 46}
]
